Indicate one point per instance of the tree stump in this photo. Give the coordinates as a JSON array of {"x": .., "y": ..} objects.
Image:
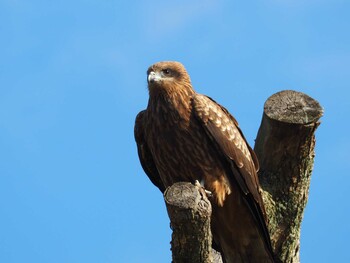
[
  {"x": 189, "y": 211},
  {"x": 285, "y": 149}
]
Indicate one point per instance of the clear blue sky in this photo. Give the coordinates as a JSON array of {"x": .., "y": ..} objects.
[{"x": 73, "y": 78}]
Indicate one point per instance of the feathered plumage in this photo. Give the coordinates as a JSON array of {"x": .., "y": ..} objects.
[{"x": 185, "y": 136}]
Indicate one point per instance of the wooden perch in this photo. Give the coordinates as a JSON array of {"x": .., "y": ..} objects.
[
  {"x": 285, "y": 149},
  {"x": 189, "y": 211}
]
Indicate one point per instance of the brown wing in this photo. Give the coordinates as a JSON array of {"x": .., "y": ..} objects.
[
  {"x": 223, "y": 130},
  {"x": 145, "y": 156}
]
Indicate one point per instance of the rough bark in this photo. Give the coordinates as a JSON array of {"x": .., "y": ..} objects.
[
  {"x": 285, "y": 149},
  {"x": 189, "y": 210}
]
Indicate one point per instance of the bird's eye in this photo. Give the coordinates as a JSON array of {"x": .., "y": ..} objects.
[{"x": 166, "y": 71}]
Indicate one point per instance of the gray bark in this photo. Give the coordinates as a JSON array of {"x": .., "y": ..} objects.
[
  {"x": 189, "y": 210},
  {"x": 285, "y": 148}
]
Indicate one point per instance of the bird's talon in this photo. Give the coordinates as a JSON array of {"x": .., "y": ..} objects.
[
  {"x": 201, "y": 188},
  {"x": 208, "y": 192}
]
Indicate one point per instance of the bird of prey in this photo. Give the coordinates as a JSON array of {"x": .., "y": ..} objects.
[{"x": 186, "y": 136}]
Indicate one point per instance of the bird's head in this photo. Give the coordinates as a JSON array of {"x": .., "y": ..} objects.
[{"x": 168, "y": 77}]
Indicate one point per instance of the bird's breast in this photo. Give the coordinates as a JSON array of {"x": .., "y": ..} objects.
[{"x": 181, "y": 152}]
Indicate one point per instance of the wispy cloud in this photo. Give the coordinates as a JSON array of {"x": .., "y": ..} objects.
[{"x": 164, "y": 19}]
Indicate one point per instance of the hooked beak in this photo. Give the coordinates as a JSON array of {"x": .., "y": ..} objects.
[{"x": 154, "y": 77}]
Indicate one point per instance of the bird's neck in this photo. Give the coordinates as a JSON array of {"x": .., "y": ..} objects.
[{"x": 172, "y": 107}]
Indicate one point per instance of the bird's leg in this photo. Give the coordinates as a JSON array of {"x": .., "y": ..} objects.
[{"x": 202, "y": 189}]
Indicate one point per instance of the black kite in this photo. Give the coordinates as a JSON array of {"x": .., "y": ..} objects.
[{"x": 186, "y": 136}]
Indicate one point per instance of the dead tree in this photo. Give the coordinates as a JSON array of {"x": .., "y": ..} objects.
[{"x": 285, "y": 148}]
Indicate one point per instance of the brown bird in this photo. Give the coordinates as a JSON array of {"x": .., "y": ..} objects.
[{"x": 186, "y": 136}]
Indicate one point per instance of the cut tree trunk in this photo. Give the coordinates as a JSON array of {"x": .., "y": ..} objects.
[
  {"x": 189, "y": 210},
  {"x": 285, "y": 149}
]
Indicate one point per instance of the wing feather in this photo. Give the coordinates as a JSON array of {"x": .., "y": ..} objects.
[
  {"x": 223, "y": 129},
  {"x": 144, "y": 153}
]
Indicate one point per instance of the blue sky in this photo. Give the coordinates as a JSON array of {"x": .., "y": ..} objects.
[{"x": 73, "y": 78}]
